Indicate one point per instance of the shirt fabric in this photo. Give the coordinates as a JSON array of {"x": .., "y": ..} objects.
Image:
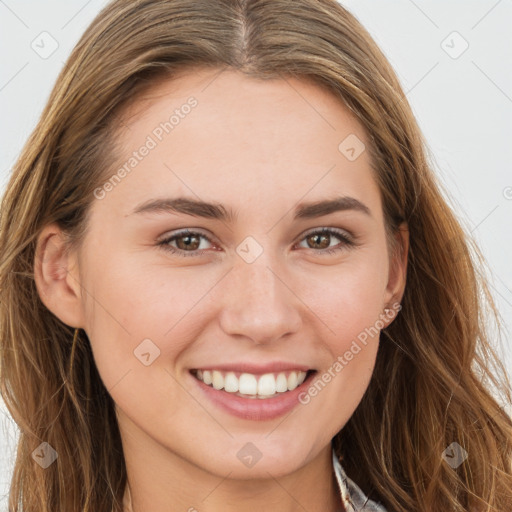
[{"x": 352, "y": 497}]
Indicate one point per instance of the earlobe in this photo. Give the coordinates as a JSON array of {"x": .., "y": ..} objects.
[{"x": 56, "y": 276}]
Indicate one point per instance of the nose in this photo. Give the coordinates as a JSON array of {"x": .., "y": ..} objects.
[{"x": 259, "y": 303}]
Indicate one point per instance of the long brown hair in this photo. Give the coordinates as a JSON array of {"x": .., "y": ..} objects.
[{"x": 436, "y": 362}]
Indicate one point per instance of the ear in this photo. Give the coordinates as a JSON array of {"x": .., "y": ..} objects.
[
  {"x": 397, "y": 271},
  {"x": 57, "y": 278}
]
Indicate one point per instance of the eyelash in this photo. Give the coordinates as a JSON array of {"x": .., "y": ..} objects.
[{"x": 346, "y": 242}]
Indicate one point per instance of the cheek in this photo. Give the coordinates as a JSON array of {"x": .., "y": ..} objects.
[
  {"x": 133, "y": 310},
  {"x": 348, "y": 298},
  {"x": 350, "y": 308},
  {"x": 348, "y": 301}
]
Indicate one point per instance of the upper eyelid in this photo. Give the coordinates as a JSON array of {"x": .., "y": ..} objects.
[
  {"x": 183, "y": 232},
  {"x": 335, "y": 230}
]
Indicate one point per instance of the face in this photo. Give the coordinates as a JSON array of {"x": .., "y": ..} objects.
[{"x": 260, "y": 281}]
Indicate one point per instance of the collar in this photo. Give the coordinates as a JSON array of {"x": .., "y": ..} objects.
[{"x": 352, "y": 497}]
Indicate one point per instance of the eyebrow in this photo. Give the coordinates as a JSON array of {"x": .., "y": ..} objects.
[{"x": 198, "y": 208}]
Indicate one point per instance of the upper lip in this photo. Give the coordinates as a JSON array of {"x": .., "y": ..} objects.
[{"x": 257, "y": 369}]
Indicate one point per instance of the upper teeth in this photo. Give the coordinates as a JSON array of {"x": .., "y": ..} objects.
[{"x": 249, "y": 384}]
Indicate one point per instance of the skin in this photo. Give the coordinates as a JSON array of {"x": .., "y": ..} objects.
[{"x": 259, "y": 148}]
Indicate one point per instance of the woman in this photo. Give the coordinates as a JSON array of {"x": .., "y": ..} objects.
[{"x": 231, "y": 281}]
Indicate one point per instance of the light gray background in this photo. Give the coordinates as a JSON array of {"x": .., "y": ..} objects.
[{"x": 463, "y": 105}]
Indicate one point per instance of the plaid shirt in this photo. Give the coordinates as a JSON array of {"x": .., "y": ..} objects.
[{"x": 352, "y": 497}]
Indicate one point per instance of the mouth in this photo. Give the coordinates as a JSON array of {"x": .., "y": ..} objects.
[{"x": 253, "y": 386}]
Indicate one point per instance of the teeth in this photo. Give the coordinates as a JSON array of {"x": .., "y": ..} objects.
[
  {"x": 217, "y": 380},
  {"x": 248, "y": 384},
  {"x": 292, "y": 381},
  {"x": 282, "y": 383},
  {"x": 207, "y": 377},
  {"x": 252, "y": 386},
  {"x": 266, "y": 385},
  {"x": 231, "y": 383}
]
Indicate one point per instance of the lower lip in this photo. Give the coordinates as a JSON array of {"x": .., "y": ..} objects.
[{"x": 258, "y": 409}]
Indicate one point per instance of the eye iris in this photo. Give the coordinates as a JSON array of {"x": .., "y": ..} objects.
[
  {"x": 317, "y": 237},
  {"x": 188, "y": 245}
]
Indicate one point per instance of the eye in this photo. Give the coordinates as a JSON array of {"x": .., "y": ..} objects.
[
  {"x": 321, "y": 239},
  {"x": 186, "y": 242}
]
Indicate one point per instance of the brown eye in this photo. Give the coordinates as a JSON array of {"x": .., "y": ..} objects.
[
  {"x": 318, "y": 241},
  {"x": 187, "y": 243},
  {"x": 321, "y": 239}
]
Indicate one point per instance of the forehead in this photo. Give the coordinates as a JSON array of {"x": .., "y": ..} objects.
[
  {"x": 222, "y": 133},
  {"x": 227, "y": 93}
]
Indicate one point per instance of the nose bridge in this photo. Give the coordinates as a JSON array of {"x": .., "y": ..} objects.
[
  {"x": 257, "y": 302},
  {"x": 262, "y": 280}
]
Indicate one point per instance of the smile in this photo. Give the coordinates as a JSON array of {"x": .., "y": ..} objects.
[{"x": 250, "y": 385}]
